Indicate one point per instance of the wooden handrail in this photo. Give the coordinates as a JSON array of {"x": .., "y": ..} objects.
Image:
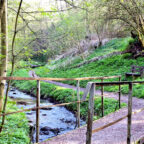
[
  {"x": 117, "y": 83},
  {"x": 129, "y": 115},
  {"x": 37, "y": 108},
  {"x": 41, "y": 107},
  {"x": 107, "y": 125},
  {"x": 57, "y": 79},
  {"x": 90, "y": 89},
  {"x": 116, "y": 121}
]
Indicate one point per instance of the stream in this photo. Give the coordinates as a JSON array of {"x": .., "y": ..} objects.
[{"x": 53, "y": 121}]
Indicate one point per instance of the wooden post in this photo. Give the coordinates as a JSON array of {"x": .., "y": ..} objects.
[
  {"x": 90, "y": 115},
  {"x": 102, "y": 98},
  {"x": 119, "y": 93},
  {"x": 37, "y": 111},
  {"x": 129, "y": 114},
  {"x": 78, "y": 104}
]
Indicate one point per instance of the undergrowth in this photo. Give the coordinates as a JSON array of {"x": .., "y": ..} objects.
[
  {"x": 115, "y": 65},
  {"x": 63, "y": 95},
  {"x": 16, "y": 130}
]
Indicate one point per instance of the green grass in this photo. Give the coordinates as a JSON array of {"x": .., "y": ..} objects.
[
  {"x": 112, "y": 46},
  {"x": 115, "y": 65},
  {"x": 63, "y": 95},
  {"x": 16, "y": 130}
]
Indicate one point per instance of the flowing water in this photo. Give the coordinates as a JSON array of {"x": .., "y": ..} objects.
[{"x": 53, "y": 121}]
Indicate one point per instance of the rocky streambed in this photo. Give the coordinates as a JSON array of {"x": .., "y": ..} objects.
[{"x": 53, "y": 121}]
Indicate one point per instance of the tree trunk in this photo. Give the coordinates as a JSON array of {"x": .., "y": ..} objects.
[
  {"x": 141, "y": 38},
  {"x": 141, "y": 30},
  {"x": 2, "y": 2},
  {"x": 4, "y": 48}
]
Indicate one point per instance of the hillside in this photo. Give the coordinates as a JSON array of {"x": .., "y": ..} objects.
[{"x": 114, "y": 65}]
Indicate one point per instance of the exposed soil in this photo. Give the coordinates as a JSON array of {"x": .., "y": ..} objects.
[
  {"x": 136, "y": 49},
  {"x": 115, "y": 134}
]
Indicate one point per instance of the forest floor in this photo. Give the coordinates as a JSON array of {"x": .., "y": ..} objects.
[{"x": 115, "y": 134}]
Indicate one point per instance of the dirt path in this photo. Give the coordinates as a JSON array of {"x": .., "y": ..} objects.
[{"x": 115, "y": 134}]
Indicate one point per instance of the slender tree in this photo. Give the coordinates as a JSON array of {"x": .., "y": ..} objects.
[
  {"x": 13, "y": 63},
  {"x": 4, "y": 50},
  {"x": 2, "y": 2}
]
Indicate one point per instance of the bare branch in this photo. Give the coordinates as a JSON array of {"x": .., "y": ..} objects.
[
  {"x": 74, "y": 6},
  {"x": 30, "y": 12}
]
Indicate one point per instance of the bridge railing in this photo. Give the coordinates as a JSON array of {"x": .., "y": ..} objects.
[
  {"x": 91, "y": 90},
  {"x": 38, "y": 107}
]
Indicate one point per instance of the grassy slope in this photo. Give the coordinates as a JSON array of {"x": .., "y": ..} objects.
[
  {"x": 16, "y": 130},
  {"x": 63, "y": 95},
  {"x": 113, "y": 46},
  {"x": 116, "y": 65}
]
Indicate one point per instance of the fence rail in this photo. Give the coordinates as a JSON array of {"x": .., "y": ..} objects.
[
  {"x": 90, "y": 89},
  {"x": 57, "y": 79},
  {"x": 42, "y": 107},
  {"x": 38, "y": 107},
  {"x": 90, "y": 131}
]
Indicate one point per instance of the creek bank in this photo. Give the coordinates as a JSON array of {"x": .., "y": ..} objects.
[
  {"x": 51, "y": 98},
  {"x": 63, "y": 95},
  {"x": 46, "y": 97},
  {"x": 16, "y": 130},
  {"x": 53, "y": 121}
]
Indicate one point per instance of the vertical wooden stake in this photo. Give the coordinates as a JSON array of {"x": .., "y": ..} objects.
[
  {"x": 37, "y": 111},
  {"x": 119, "y": 93},
  {"x": 102, "y": 98},
  {"x": 129, "y": 114},
  {"x": 90, "y": 115},
  {"x": 78, "y": 104}
]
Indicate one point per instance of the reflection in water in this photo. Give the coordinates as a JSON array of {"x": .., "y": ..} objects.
[{"x": 53, "y": 121}]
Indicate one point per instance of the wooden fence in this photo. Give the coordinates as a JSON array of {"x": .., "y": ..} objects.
[
  {"x": 38, "y": 107},
  {"x": 90, "y": 131}
]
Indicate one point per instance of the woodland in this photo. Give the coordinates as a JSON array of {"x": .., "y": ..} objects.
[{"x": 66, "y": 39}]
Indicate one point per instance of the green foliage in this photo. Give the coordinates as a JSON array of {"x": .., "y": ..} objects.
[
  {"x": 63, "y": 95},
  {"x": 16, "y": 130},
  {"x": 64, "y": 33},
  {"x": 115, "y": 65},
  {"x": 112, "y": 46}
]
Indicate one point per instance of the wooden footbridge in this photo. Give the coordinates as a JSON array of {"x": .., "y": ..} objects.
[{"x": 121, "y": 127}]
